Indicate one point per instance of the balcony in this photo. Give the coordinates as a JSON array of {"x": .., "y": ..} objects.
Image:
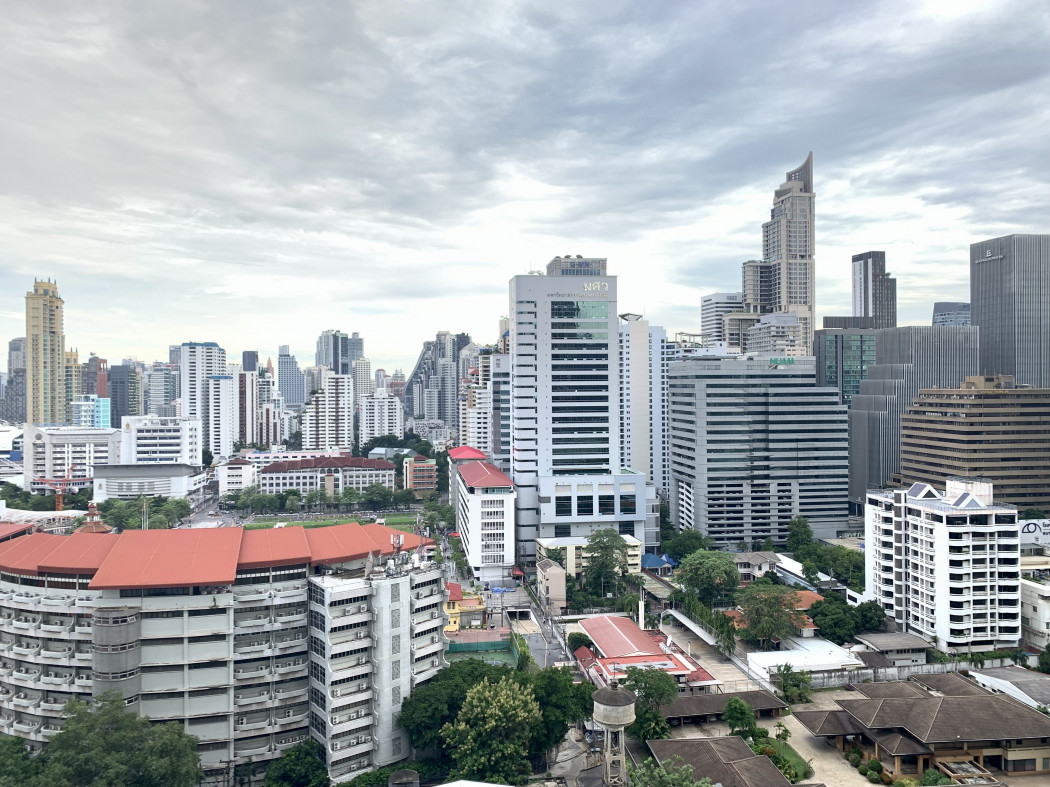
[
  {"x": 352, "y": 691},
  {"x": 50, "y": 730},
  {"x": 82, "y": 655},
  {"x": 291, "y": 716},
  {"x": 25, "y": 701},
  {"x": 23, "y": 675},
  {"x": 360, "y": 717},
  {"x": 251, "y": 594},
  {"x": 287, "y": 592},
  {"x": 56, "y": 626},
  {"x": 26, "y": 648},
  {"x": 251, "y": 621},
  {"x": 291, "y": 666},
  {"x": 254, "y": 646},
  {"x": 83, "y": 681},
  {"x": 251, "y": 749},
  {"x": 25, "y": 624},
  {"x": 253, "y": 671},
  {"x": 251, "y": 699},
  {"x": 57, "y": 678},
  {"x": 289, "y": 642},
  {"x": 51, "y": 704},
  {"x": 245, "y": 723},
  {"x": 26, "y": 727},
  {"x": 282, "y": 744},
  {"x": 291, "y": 615},
  {"x": 54, "y": 652},
  {"x": 288, "y": 692}
]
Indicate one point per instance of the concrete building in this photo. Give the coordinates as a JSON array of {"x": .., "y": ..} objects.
[
  {"x": 874, "y": 290},
  {"x": 161, "y": 479},
  {"x": 788, "y": 246},
  {"x": 421, "y": 474},
  {"x": 330, "y": 474},
  {"x": 907, "y": 359},
  {"x": 755, "y": 442},
  {"x": 333, "y": 351},
  {"x": 484, "y": 502},
  {"x": 776, "y": 334},
  {"x": 247, "y": 407},
  {"x": 364, "y": 385},
  {"x": 221, "y": 417},
  {"x": 576, "y": 556},
  {"x": 328, "y": 417},
  {"x": 565, "y": 430},
  {"x": 381, "y": 415},
  {"x": 197, "y": 362},
  {"x": 45, "y": 355},
  {"x": 71, "y": 369},
  {"x": 1010, "y": 302},
  {"x": 160, "y": 389},
  {"x": 250, "y": 361},
  {"x": 150, "y": 439},
  {"x": 90, "y": 411},
  {"x": 253, "y": 641},
  {"x": 713, "y": 308},
  {"x": 986, "y": 428},
  {"x": 946, "y": 565},
  {"x": 95, "y": 377},
  {"x": 951, "y": 313},
  {"x": 843, "y": 357},
  {"x": 644, "y": 357},
  {"x": 54, "y": 452},
  {"x": 290, "y": 380},
  {"x": 236, "y": 475},
  {"x": 355, "y": 349},
  {"x": 550, "y": 587},
  {"x": 125, "y": 393}
]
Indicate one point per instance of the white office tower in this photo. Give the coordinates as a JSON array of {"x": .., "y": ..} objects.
[
  {"x": 565, "y": 433},
  {"x": 645, "y": 355},
  {"x": 197, "y": 362},
  {"x": 364, "y": 385},
  {"x": 946, "y": 565},
  {"x": 248, "y": 407},
  {"x": 484, "y": 501},
  {"x": 381, "y": 415},
  {"x": 291, "y": 381},
  {"x": 432, "y": 400},
  {"x": 755, "y": 442},
  {"x": 328, "y": 418},
  {"x": 152, "y": 439},
  {"x": 160, "y": 389},
  {"x": 221, "y": 418},
  {"x": 713, "y": 308}
]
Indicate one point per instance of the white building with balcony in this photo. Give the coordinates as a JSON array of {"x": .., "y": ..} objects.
[
  {"x": 946, "y": 565},
  {"x": 484, "y": 501},
  {"x": 252, "y": 640}
]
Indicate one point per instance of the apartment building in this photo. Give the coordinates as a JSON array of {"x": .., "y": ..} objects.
[
  {"x": 381, "y": 415},
  {"x": 484, "y": 502},
  {"x": 946, "y": 565},
  {"x": 332, "y": 474},
  {"x": 253, "y": 640},
  {"x": 420, "y": 473}
]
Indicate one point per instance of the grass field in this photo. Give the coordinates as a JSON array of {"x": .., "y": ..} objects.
[
  {"x": 792, "y": 756},
  {"x": 403, "y": 522}
]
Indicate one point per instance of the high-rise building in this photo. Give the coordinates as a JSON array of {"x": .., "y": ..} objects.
[
  {"x": 644, "y": 357},
  {"x": 125, "y": 393},
  {"x": 13, "y": 402},
  {"x": 484, "y": 499},
  {"x": 989, "y": 429},
  {"x": 355, "y": 348},
  {"x": 248, "y": 407},
  {"x": 951, "y": 313},
  {"x": 433, "y": 388},
  {"x": 53, "y": 452},
  {"x": 250, "y": 361},
  {"x": 381, "y": 415},
  {"x": 90, "y": 411},
  {"x": 565, "y": 428},
  {"x": 152, "y": 439},
  {"x": 161, "y": 389},
  {"x": 907, "y": 359},
  {"x": 1010, "y": 303},
  {"x": 874, "y": 290},
  {"x": 197, "y": 362},
  {"x": 713, "y": 308},
  {"x": 95, "y": 377},
  {"x": 777, "y": 334},
  {"x": 72, "y": 371},
  {"x": 16, "y": 354},
  {"x": 364, "y": 385},
  {"x": 788, "y": 244},
  {"x": 843, "y": 357},
  {"x": 328, "y": 417},
  {"x": 333, "y": 351},
  {"x": 290, "y": 379},
  {"x": 45, "y": 355},
  {"x": 957, "y": 580},
  {"x": 221, "y": 420},
  {"x": 755, "y": 442}
]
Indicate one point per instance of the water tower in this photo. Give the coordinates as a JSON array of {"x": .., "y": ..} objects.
[{"x": 614, "y": 710}]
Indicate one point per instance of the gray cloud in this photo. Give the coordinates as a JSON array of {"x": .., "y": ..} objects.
[{"x": 260, "y": 172}]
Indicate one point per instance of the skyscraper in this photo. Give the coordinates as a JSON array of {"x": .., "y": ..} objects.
[
  {"x": 951, "y": 313},
  {"x": 13, "y": 404},
  {"x": 364, "y": 385},
  {"x": 843, "y": 357},
  {"x": 250, "y": 361},
  {"x": 333, "y": 351},
  {"x": 644, "y": 357},
  {"x": 788, "y": 242},
  {"x": 125, "y": 393},
  {"x": 874, "y": 290},
  {"x": 95, "y": 379},
  {"x": 247, "y": 407},
  {"x": 1010, "y": 303},
  {"x": 45, "y": 355},
  {"x": 222, "y": 420},
  {"x": 355, "y": 348},
  {"x": 713, "y": 308},
  {"x": 328, "y": 418},
  {"x": 73, "y": 379},
  {"x": 16, "y": 354},
  {"x": 290, "y": 379},
  {"x": 198, "y": 361}
]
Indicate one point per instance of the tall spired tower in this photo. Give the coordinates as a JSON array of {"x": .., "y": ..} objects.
[{"x": 45, "y": 355}]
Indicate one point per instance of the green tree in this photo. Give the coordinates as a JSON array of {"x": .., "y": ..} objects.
[
  {"x": 710, "y": 575},
  {"x": 654, "y": 689},
  {"x": 739, "y": 716},
  {"x": 579, "y": 640},
  {"x": 557, "y": 554},
  {"x": 872, "y": 616},
  {"x": 301, "y": 766},
  {"x": 768, "y": 612},
  {"x": 404, "y": 498},
  {"x": 672, "y": 774},
  {"x": 350, "y": 497},
  {"x": 836, "y": 621},
  {"x": 206, "y": 457},
  {"x": 17, "y": 768},
  {"x": 782, "y": 732},
  {"x": 666, "y": 526},
  {"x": 105, "y": 744},
  {"x": 606, "y": 561},
  {"x": 932, "y": 777},
  {"x": 489, "y": 740},
  {"x": 562, "y": 703},
  {"x": 294, "y": 441},
  {"x": 800, "y": 534},
  {"x": 1033, "y": 513},
  {"x": 795, "y": 685},
  {"x": 686, "y": 543},
  {"x": 376, "y": 496}
]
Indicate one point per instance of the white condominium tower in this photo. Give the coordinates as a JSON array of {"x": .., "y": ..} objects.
[
  {"x": 565, "y": 430},
  {"x": 788, "y": 241},
  {"x": 197, "y": 362},
  {"x": 328, "y": 418},
  {"x": 381, "y": 415}
]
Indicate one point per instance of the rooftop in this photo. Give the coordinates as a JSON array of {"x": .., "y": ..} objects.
[
  {"x": 1033, "y": 684},
  {"x": 326, "y": 463},
  {"x": 616, "y": 637},
  {"x": 483, "y": 474},
  {"x": 884, "y": 642},
  {"x": 462, "y": 452},
  {"x": 726, "y": 761}
]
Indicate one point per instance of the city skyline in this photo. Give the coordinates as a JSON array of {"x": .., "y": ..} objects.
[{"x": 193, "y": 187}]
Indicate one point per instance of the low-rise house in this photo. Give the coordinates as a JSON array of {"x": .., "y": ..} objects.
[
  {"x": 550, "y": 586},
  {"x": 939, "y": 721},
  {"x": 236, "y": 475},
  {"x": 752, "y": 565},
  {"x": 463, "y": 609},
  {"x": 705, "y": 708},
  {"x": 899, "y": 650},
  {"x": 725, "y": 761},
  {"x": 660, "y": 565}
]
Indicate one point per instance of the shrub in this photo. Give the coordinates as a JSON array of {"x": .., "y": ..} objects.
[
  {"x": 863, "y": 769},
  {"x": 875, "y": 765},
  {"x": 873, "y": 777},
  {"x": 768, "y": 751},
  {"x": 886, "y": 778},
  {"x": 854, "y": 759}
]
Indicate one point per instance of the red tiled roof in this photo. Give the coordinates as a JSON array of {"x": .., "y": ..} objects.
[
  {"x": 616, "y": 637},
  {"x": 328, "y": 463},
  {"x": 353, "y": 542},
  {"x": 284, "y": 546},
  {"x": 170, "y": 558},
  {"x": 80, "y": 553},
  {"x": 239, "y": 461},
  {"x": 23, "y": 555},
  {"x": 807, "y": 598},
  {"x": 483, "y": 474},
  {"x": 10, "y": 530},
  {"x": 466, "y": 452},
  {"x": 455, "y": 591}
]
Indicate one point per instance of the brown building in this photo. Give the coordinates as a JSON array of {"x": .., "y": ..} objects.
[{"x": 985, "y": 428}]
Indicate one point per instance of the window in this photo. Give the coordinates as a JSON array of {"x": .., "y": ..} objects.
[
  {"x": 627, "y": 504},
  {"x": 562, "y": 531},
  {"x": 584, "y": 505},
  {"x": 563, "y": 506},
  {"x": 606, "y": 504}
]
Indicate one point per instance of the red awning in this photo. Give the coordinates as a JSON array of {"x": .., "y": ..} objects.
[{"x": 517, "y": 572}]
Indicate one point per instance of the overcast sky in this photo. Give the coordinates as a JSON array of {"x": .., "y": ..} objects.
[{"x": 253, "y": 173}]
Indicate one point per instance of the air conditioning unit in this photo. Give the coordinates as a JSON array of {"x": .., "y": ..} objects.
[
  {"x": 51, "y": 675},
  {"x": 288, "y": 714},
  {"x": 434, "y": 638},
  {"x": 366, "y": 738},
  {"x": 238, "y": 696},
  {"x": 242, "y": 720},
  {"x": 337, "y": 746},
  {"x": 433, "y": 662},
  {"x": 363, "y": 608},
  {"x": 337, "y": 692},
  {"x": 360, "y": 634},
  {"x": 419, "y": 594},
  {"x": 361, "y": 660}
]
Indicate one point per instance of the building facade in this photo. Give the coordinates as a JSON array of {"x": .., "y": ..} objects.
[
  {"x": 645, "y": 355},
  {"x": 755, "y": 442},
  {"x": 330, "y": 474},
  {"x": 1010, "y": 303},
  {"x": 946, "y": 565},
  {"x": 125, "y": 393},
  {"x": 88, "y": 410},
  {"x": 221, "y": 416},
  {"x": 421, "y": 474},
  {"x": 56, "y": 452},
  {"x": 255, "y": 642},
  {"x": 874, "y": 290},
  {"x": 45, "y": 355},
  {"x": 290, "y": 379},
  {"x": 328, "y": 418},
  {"x": 713, "y": 308},
  {"x": 484, "y": 503},
  {"x": 951, "y": 313},
  {"x": 151, "y": 439},
  {"x": 381, "y": 415},
  {"x": 843, "y": 357}
]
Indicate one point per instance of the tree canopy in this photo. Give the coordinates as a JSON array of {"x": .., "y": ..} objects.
[
  {"x": 673, "y": 774},
  {"x": 302, "y": 765},
  {"x": 739, "y": 716},
  {"x": 846, "y": 565},
  {"x": 768, "y": 612},
  {"x": 489, "y": 741},
  {"x": 653, "y": 688},
  {"x": 105, "y": 744},
  {"x": 711, "y": 575},
  {"x": 839, "y": 622},
  {"x": 606, "y": 561},
  {"x": 686, "y": 543}
]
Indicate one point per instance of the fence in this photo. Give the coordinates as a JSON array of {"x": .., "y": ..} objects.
[{"x": 825, "y": 679}]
